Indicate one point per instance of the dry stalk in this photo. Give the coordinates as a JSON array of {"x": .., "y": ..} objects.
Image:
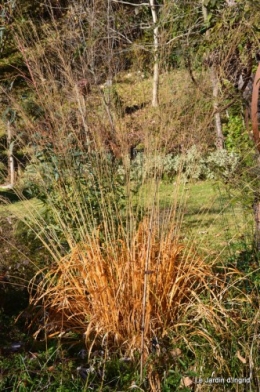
[
  {"x": 103, "y": 290},
  {"x": 146, "y": 277}
]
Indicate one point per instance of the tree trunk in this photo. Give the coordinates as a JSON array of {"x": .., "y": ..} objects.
[
  {"x": 11, "y": 171},
  {"x": 155, "y": 99},
  {"x": 255, "y": 108},
  {"x": 218, "y": 125},
  {"x": 215, "y": 92}
]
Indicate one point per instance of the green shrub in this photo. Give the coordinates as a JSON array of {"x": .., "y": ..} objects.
[
  {"x": 237, "y": 137},
  {"x": 192, "y": 165},
  {"x": 221, "y": 164}
]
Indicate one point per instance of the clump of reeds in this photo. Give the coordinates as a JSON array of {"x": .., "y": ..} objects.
[{"x": 99, "y": 287}]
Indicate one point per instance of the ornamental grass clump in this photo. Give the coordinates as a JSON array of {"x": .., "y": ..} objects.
[{"x": 126, "y": 293}]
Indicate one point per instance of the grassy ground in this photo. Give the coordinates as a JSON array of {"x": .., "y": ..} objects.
[
  {"x": 216, "y": 219},
  {"x": 210, "y": 216},
  {"x": 17, "y": 244}
]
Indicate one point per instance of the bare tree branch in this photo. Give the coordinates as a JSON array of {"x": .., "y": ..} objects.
[{"x": 133, "y": 4}]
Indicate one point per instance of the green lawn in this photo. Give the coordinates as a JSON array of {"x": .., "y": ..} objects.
[
  {"x": 11, "y": 205},
  {"x": 210, "y": 217},
  {"x": 216, "y": 221}
]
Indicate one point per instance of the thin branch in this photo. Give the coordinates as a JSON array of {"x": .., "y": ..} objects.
[
  {"x": 133, "y": 4},
  {"x": 175, "y": 38},
  {"x": 220, "y": 110},
  {"x": 117, "y": 33}
]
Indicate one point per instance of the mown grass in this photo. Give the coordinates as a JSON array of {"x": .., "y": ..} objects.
[
  {"x": 19, "y": 208},
  {"x": 217, "y": 221},
  {"x": 211, "y": 215}
]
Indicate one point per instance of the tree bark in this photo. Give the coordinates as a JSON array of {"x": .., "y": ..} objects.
[
  {"x": 215, "y": 92},
  {"x": 255, "y": 108},
  {"x": 155, "y": 98},
  {"x": 255, "y": 126},
  {"x": 217, "y": 118},
  {"x": 11, "y": 170}
]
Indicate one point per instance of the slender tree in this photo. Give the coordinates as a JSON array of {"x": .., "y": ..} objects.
[
  {"x": 215, "y": 90},
  {"x": 155, "y": 98}
]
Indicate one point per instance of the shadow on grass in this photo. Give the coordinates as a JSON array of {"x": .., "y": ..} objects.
[{"x": 11, "y": 196}]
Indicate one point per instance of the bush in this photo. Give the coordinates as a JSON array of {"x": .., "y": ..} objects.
[
  {"x": 221, "y": 164},
  {"x": 192, "y": 165},
  {"x": 237, "y": 139}
]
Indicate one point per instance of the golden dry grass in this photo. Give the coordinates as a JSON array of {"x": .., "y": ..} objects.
[{"x": 122, "y": 292}]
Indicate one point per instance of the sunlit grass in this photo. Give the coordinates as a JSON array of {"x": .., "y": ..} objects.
[{"x": 212, "y": 218}]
